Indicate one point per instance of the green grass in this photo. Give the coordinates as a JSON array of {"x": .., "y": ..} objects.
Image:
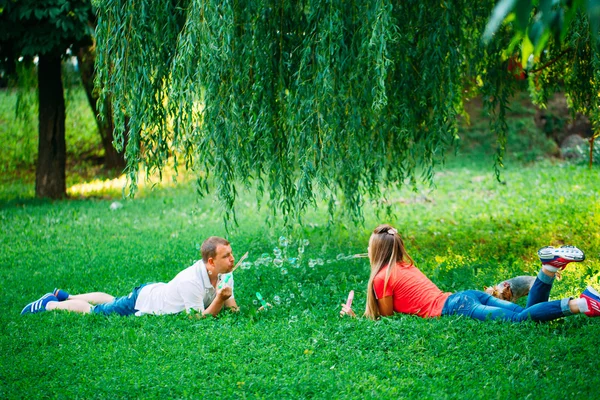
[{"x": 468, "y": 232}]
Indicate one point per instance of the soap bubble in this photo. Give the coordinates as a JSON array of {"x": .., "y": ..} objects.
[
  {"x": 320, "y": 261},
  {"x": 300, "y": 249},
  {"x": 312, "y": 263},
  {"x": 299, "y": 285},
  {"x": 284, "y": 271},
  {"x": 255, "y": 302},
  {"x": 277, "y": 300},
  {"x": 292, "y": 260},
  {"x": 278, "y": 262},
  {"x": 292, "y": 296},
  {"x": 339, "y": 256},
  {"x": 264, "y": 255},
  {"x": 283, "y": 242},
  {"x": 246, "y": 265},
  {"x": 305, "y": 242},
  {"x": 277, "y": 252}
]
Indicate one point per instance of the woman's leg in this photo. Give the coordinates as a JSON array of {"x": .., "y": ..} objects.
[
  {"x": 540, "y": 290},
  {"x": 482, "y": 306}
]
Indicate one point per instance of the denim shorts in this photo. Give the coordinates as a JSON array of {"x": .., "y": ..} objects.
[{"x": 123, "y": 306}]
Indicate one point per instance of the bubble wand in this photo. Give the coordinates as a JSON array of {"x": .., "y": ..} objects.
[
  {"x": 361, "y": 255},
  {"x": 262, "y": 301},
  {"x": 240, "y": 261},
  {"x": 225, "y": 280},
  {"x": 350, "y": 298}
]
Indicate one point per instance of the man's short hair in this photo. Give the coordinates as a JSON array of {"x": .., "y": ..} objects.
[{"x": 209, "y": 247}]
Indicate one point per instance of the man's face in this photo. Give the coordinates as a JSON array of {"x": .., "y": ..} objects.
[{"x": 223, "y": 260}]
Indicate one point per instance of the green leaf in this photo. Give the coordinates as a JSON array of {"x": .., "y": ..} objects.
[
  {"x": 523, "y": 14},
  {"x": 500, "y": 12}
]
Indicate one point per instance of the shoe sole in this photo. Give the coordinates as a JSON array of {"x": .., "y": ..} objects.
[{"x": 550, "y": 255}]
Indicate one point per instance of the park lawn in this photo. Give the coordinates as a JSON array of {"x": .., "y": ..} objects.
[{"x": 468, "y": 232}]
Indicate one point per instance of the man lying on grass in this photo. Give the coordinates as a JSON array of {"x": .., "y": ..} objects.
[
  {"x": 204, "y": 288},
  {"x": 396, "y": 285}
]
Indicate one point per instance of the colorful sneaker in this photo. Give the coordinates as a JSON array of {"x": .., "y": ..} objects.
[
  {"x": 559, "y": 257},
  {"x": 38, "y": 305},
  {"x": 592, "y": 297},
  {"x": 60, "y": 294}
]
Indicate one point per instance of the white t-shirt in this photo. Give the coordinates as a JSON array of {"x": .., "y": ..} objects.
[{"x": 190, "y": 289}]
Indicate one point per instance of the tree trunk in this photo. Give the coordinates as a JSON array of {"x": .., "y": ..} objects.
[
  {"x": 112, "y": 158},
  {"x": 50, "y": 178}
]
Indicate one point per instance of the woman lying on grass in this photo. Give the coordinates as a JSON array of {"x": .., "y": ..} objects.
[{"x": 403, "y": 288}]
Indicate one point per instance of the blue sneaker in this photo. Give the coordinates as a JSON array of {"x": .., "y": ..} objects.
[
  {"x": 38, "y": 305},
  {"x": 559, "y": 257},
  {"x": 60, "y": 294}
]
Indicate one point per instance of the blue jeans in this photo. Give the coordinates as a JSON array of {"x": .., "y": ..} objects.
[
  {"x": 483, "y": 306},
  {"x": 123, "y": 306}
]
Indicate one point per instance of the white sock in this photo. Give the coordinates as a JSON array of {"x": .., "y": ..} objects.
[
  {"x": 583, "y": 305},
  {"x": 550, "y": 268}
]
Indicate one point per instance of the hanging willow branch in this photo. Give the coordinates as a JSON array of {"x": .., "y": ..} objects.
[{"x": 307, "y": 100}]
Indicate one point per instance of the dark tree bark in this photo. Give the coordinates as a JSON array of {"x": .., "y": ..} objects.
[
  {"x": 50, "y": 178},
  {"x": 112, "y": 158}
]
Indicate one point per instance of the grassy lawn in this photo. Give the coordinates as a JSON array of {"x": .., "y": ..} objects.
[{"x": 468, "y": 232}]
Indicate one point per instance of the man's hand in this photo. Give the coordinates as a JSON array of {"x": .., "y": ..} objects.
[{"x": 224, "y": 293}]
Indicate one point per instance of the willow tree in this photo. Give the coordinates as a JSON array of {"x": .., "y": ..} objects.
[{"x": 317, "y": 99}]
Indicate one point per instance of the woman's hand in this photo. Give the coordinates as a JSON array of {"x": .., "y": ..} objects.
[{"x": 347, "y": 311}]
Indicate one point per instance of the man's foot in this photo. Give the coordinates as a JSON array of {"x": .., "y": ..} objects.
[
  {"x": 38, "y": 305},
  {"x": 559, "y": 257},
  {"x": 592, "y": 297},
  {"x": 60, "y": 294}
]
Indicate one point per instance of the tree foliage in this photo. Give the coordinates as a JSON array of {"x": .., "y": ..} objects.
[{"x": 314, "y": 99}]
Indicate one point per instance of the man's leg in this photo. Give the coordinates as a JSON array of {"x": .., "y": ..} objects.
[
  {"x": 75, "y": 305},
  {"x": 93, "y": 298}
]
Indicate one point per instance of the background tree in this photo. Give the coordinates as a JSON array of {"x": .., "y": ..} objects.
[
  {"x": 46, "y": 29},
  {"x": 54, "y": 30},
  {"x": 313, "y": 99}
]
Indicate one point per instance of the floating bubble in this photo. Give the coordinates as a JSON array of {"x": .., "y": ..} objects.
[
  {"x": 299, "y": 285},
  {"x": 246, "y": 265},
  {"x": 292, "y": 296},
  {"x": 320, "y": 261},
  {"x": 288, "y": 301},
  {"x": 277, "y": 300},
  {"x": 258, "y": 262},
  {"x": 277, "y": 252},
  {"x": 292, "y": 260},
  {"x": 254, "y": 302},
  {"x": 305, "y": 242},
  {"x": 278, "y": 262},
  {"x": 339, "y": 256},
  {"x": 283, "y": 242},
  {"x": 284, "y": 271},
  {"x": 264, "y": 255},
  {"x": 329, "y": 261},
  {"x": 312, "y": 263},
  {"x": 300, "y": 249}
]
